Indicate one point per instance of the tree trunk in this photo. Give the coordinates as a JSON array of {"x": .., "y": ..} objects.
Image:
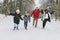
[
  {"x": 56, "y": 1},
  {"x": 5, "y": 4}
]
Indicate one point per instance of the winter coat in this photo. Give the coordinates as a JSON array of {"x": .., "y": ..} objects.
[
  {"x": 47, "y": 16},
  {"x": 26, "y": 18},
  {"x": 35, "y": 13},
  {"x": 16, "y": 17}
]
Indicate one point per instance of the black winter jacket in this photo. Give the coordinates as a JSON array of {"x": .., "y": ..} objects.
[{"x": 16, "y": 17}]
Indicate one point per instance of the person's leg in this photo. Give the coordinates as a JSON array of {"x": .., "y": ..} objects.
[
  {"x": 33, "y": 21},
  {"x": 44, "y": 23},
  {"x": 49, "y": 20},
  {"x": 26, "y": 26},
  {"x": 36, "y": 22},
  {"x": 15, "y": 25}
]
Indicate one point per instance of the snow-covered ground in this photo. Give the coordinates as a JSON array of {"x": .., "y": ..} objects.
[{"x": 51, "y": 32}]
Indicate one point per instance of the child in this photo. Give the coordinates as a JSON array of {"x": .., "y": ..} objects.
[
  {"x": 46, "y": 17},
  {"x": 17, "y": 16},
  {"x": 26, "y": 19}
]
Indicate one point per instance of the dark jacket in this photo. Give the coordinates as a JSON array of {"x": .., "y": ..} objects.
[
  {"x": 26, "y": 18},
  {"x": 16, "y": 17}
]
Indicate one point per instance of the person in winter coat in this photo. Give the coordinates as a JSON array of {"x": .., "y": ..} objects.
[
  {"x": 35, "y": 13},
  {"x": 17, "y": 16},
  {"x": 26, "y": 18},
  {"x": 46, "y": 17}
]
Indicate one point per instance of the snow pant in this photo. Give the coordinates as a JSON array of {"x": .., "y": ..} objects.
[
  {"x": 15, "y": 26},
  {"x": 25, "y": 24},
  {"x": 45, "y": 21},
  {"x": 35, "y": 20}
]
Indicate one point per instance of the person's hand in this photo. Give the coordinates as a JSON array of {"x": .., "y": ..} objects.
[{"x": 30, "y": 15}]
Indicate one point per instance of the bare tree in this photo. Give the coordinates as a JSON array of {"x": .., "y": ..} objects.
[
  {"x": 5, "y": 5},
  {"x": 56, "y": 1}
]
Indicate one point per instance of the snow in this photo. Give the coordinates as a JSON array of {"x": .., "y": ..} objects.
[{"x": 51, "y": 32}]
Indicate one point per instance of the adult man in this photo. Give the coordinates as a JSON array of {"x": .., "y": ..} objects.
[{"x": 35, "y": 13}]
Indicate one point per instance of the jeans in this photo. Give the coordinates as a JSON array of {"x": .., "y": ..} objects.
[
  {"x": 25, "y": 25},
  {"x": 45, "y": 21},
  {"x": 15, "y": 26},
  {"x": 35, "y": 21}
]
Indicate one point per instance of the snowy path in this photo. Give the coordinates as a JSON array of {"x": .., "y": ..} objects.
[{"x": 51, "y": 32}]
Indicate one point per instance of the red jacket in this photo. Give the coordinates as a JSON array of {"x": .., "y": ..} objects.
[{"x": 35, "y": 13}]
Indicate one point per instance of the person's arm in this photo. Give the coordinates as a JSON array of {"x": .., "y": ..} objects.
[
  {"x": 32, "y": 12},
  {"x": 29, "y": 18},
  {"x": 52, "y": 12},
  {"x": 21, "y": 17},
  {"x": 49, "y": 15},
  {"x": 24, "y": 17},
  {"x": 9, "y": 13},
  {"x": 12, "y": 14}
]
